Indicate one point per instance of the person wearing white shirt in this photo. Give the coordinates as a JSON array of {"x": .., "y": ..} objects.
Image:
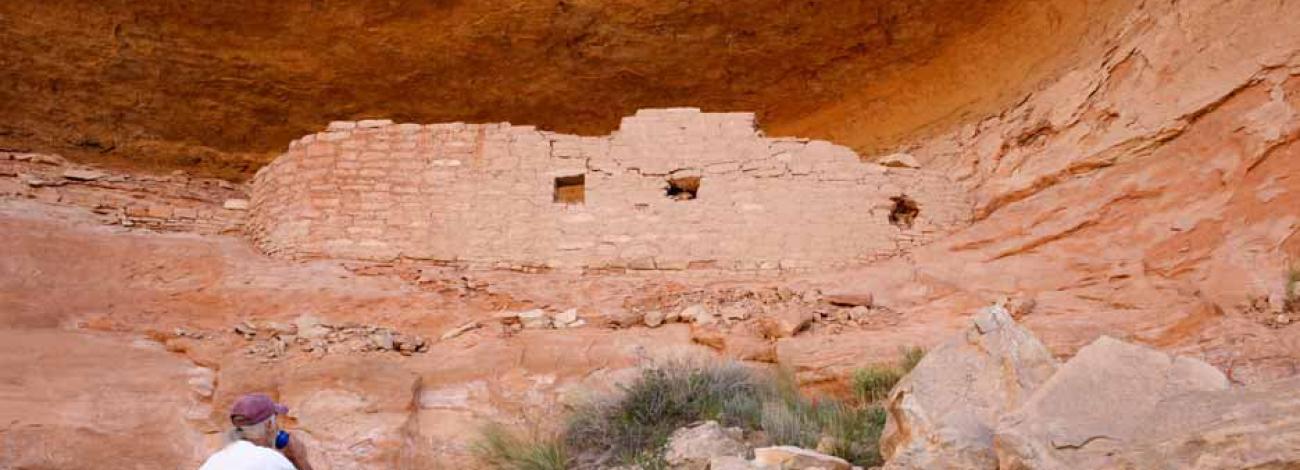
[{"x": 256, "y": 441}]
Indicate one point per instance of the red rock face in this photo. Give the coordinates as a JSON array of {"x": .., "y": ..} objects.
[{"x": 1150, "y": 183}]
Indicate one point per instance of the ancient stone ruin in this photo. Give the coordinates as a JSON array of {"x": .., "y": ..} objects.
[{"x": 670, "y": 189}]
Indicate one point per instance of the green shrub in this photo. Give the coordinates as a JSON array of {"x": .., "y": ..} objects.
[
  {"x": 633, "y": 426},
  {"x": 502, "y": 449},
  {"x": 627, "y": 427},
  {"x": 873, "y": 383},
  {"x": 911, "y": 357},
  {"x": 852, "y": 432}
]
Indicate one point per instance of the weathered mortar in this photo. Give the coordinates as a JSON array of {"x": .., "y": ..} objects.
[{"x": 483, "y": 196}]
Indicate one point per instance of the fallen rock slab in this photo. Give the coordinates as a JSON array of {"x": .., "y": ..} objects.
[
  {"x": 849, "y": 299},
  {"x": 899, "y": 160},
  {"x": 460, "y": 330},
  {"x": 1254, "y": 427},
  {"x": 943, "y": 414},
  {"x": 1098, "y": 403},
  {"x": 83, "y": 174},
  {"x": 795, "y": 458}
]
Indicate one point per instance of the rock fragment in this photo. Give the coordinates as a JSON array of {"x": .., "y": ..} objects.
[
  {"x": 694, "y": 447},
  {"x": 566, "y": 319},
  {"x": 83, "y": 174},
  {"x": 735, "y": 313},
  {"x": 1021, "y": 305},
  {"x": 795, "y": 458},
  {"x": 535, "y": 319},
  {"x": 899, "y": 160},
  {"x": 859, "y": 313},
  {"x": 784, "y": 323},
  {"x": 653, "y": 318},
  {"x": 698, "y": 314},
  {"x": 849, "y": 299},
  {"x": 310, "y": 327},
  {"x": 460, "y": 330},
  {"x": 382, "y": 340}
]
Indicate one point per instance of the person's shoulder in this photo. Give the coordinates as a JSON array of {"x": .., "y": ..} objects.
[
  {"x": 271, "y": 459},
  {"x": 223, "y": 459},
  {"x": 243, "y": 454}
]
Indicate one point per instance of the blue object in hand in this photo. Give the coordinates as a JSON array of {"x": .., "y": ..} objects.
[{"x": 281, "y": 440}]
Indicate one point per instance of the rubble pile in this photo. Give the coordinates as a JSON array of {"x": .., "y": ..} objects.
[
  {"x": 174, "y": 203},
  {"x": 307, "y": 334}
]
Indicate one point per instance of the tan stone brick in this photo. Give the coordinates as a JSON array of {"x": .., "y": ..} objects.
[{"x": 484, "y": 192}]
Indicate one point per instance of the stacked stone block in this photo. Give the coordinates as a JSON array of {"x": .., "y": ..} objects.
[{"x": 483, "y": 196}]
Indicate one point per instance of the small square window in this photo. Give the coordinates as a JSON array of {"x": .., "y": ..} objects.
[{"x": 570, "y": 189}]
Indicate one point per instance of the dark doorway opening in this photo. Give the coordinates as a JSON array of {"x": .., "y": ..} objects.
[
  {"x": 904, "y": 212},
  {"x": 571, "y": 189},
  {"x": 684, "y": 188}
]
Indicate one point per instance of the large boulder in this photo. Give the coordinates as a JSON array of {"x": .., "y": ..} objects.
[
  {"x": 1254, "y": 427},
  {"x": 692, "y": 448},
  {"x": 1097, "y": 404},
  {"x": 943, "y": 413}
]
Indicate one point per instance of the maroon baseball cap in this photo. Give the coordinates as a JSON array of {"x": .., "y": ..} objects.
[{"x": 254, "y": 408}]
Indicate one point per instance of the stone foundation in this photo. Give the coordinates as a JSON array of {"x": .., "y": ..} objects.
[{"x": 671, "y": 189}]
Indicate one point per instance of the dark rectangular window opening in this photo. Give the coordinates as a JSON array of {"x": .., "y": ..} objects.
[
  {"x": 684, "y": 188},
  {"x": 571, "y": 189}
]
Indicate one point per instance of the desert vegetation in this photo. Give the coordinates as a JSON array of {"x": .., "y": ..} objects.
[
  {"x": 633, "y": 425},
  {"x": 873, "y": 383},
  {"x": 499, "y": 447}
]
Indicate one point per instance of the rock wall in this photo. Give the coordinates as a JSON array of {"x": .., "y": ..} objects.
[
  {"x": 671, "y": 189},
  {"x": 1153, "y": 188}
]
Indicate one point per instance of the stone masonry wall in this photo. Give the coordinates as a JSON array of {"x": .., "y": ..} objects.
[{"x": 483, "y": 196}]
